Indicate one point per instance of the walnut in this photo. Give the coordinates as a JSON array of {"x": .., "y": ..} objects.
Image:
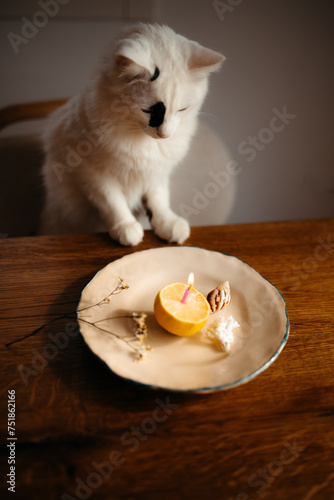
[{"x": 219, "y": 297}]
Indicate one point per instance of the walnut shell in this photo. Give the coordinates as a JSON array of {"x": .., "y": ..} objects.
[{"x": 219, "y": 297}]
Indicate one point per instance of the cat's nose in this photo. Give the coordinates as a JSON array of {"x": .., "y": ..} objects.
[
  {"x": 165, "y": 130},
  {"x": 157, "y": 111},
  {"x": 162, "y": 135}
]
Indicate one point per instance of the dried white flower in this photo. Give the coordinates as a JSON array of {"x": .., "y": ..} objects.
[
  {"x": 221, "y": 331},
  {"x": 142, "y": 351},
  {"x": 141, "y": 330},
  {"x": 122, "y": 285}
]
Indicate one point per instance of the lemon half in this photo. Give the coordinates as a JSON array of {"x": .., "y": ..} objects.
[{"x": 177, "y": 318}]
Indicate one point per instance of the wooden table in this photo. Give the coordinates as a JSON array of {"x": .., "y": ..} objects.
[{"x": 82, "y": 432}]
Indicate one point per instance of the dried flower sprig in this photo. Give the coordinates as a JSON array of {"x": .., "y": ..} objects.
[
  {"x": 141, "y": 332},
  {"x": 135, "y": 341},
  {"x": 221, "y": 332},
  {"x": 121, "y": 285}
]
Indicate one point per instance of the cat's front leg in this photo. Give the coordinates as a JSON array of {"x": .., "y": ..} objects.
[
  {"x": 122, "y": 225},
  {"x": 166, "y": 223},
  {"x": 116, "y": 214},
  {"x": 171, "y": 227},
  {"x": 128, "y": 233}
]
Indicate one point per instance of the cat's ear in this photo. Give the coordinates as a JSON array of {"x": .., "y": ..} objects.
[
  {"x": 204, "y": 60},
  {"x": 130, "y": 69},
  {"x": 131, "y": 63}
]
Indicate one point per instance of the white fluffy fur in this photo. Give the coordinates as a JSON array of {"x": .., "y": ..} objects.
[{"x": 103, "y": 159}]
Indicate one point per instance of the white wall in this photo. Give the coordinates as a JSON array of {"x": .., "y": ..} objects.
[{"x": 279, "y": 55}]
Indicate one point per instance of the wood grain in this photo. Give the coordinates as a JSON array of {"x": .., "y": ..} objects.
[{"x": 271, "y": 438}]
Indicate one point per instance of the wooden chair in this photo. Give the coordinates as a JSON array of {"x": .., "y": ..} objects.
[
  {"x": 28, "y": 111},
  {"x": 21, "y": 157}
]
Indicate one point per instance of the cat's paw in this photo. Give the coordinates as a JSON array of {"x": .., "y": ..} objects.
[
  {"x": 130, "y": 234},
  {"x": 175, "y": 229}
]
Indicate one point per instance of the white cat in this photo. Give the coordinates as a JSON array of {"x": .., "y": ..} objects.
[{"x": 111, "y": 149}]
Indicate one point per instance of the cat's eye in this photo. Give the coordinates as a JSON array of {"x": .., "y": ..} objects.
[{"x": 183, "y": 109}]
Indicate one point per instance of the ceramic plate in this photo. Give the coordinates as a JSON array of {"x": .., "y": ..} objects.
[{"x": 183, "y": 363}]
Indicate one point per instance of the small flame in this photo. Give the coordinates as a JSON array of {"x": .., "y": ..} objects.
[{"x": 191, "y": 279}]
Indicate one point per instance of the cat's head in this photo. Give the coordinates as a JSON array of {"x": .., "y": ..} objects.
[{"x": 162, "y": 78}]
